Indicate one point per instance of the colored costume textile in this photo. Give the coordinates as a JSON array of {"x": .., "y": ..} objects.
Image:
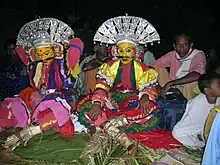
[
  {"x": 212, "y": 149},
  {"x": 123, "y": 81},
  {"x": 51, "y": 54}
]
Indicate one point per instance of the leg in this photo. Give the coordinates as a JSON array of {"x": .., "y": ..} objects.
[
  {"x": 188, "y": 90},
  {"x": 7, "y": 119},
  {"x": 119, "y": 122},
  {"x": 25, "y": 134},
  {"x": 121, "y": 137},
  {"x": 13, "y": 114},
  {"x": 163, "y": 76},
  {"x": 188, "y": 140}
]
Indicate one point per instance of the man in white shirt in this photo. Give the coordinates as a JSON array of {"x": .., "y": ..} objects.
[
  {"x": 149, "y": 58},
  {"x": 189, "y": 130}
]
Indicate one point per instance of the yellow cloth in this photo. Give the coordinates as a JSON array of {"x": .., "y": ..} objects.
[
  {"x": 196, "y": 90},
  {"x": 75, "y": 72},
  {"x": 209, "y": 121},
  {"x": 142, "y": 78},
  {"x": 38, "y": 74}
]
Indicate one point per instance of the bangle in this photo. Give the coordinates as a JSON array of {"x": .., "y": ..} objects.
[
  {"x": 97, "y": 98},
  {"x": 97, "y": 102},
  {"x": 173, "y": 83}
]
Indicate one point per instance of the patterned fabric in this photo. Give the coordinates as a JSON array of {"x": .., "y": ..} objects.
[
  {"x": 143, "y": 77},
  {"x": 54, "y": 87},
  {"x": 128, "y": 104}
]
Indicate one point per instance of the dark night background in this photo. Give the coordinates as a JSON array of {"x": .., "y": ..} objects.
[{"x": 198, "y": 18}]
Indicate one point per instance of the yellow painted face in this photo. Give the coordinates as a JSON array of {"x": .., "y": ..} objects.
[
  {"x": 45, "y": 52},
  {"x": 126, "y": 50}
]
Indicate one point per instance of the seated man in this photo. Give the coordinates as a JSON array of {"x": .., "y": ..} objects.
[
  {"x": 189, "y": 130},
  {"x": 125, "y": 90},
  {"x": 149, "y": 58},
  {"x": 13, "y": 74},
  {"x": 52, "y": 64},
  {"x": 90, "y": 66},
  {"x": 186, "y": 65}
]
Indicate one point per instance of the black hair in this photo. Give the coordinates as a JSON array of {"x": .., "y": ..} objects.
[
  {"x": 9, "y": 42},
  {"x": 206, "y": 80},
  {"x": 182, "y": 34}
]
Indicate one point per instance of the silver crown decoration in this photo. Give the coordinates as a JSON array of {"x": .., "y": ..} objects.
[
  {"x": 44, "y": 30},
  {"x": 41, "y": 37},
  {"x": 135, "y": 29}
]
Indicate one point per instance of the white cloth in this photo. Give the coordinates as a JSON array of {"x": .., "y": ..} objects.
[
  {"x": 149, "y": 58},
  {"x": 191, "y": 126},
  {"x": 79, "y": 128},
  {"x": 186, "y": 62}
]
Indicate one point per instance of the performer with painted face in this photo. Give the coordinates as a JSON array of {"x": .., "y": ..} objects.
[
  {"x": 125, "y": 90},
  {"x": 51, "y": 53}
]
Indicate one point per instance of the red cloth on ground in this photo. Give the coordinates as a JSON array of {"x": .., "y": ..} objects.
[
  {"x": 67, "y": 129},
  {"x": 7, "y": 119},
  {"x": 47, "y": 116},
  {"x": 156, "y": 139}
]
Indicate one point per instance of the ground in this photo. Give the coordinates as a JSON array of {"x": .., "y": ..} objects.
[{"x": 51, "y": 148}]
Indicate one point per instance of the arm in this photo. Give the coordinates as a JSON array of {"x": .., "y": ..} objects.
[
  {"x": 73, "y": 56},
  {"x": 197, "y": 69},
  {"x": 146, "y": 83},
  {"x": 164, "y": 61},
  {"x": 189, "y": 78},
  {"x": 103, "y": 85}
]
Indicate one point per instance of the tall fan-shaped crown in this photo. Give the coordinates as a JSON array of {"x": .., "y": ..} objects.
[
  {"x": 131, "y": 28},
  {"x": 43, "y": 30}
]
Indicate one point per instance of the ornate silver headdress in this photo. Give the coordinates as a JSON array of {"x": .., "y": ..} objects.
[
  {"x": 44, "y": 30},
  {"x": 134, "y": 29}
]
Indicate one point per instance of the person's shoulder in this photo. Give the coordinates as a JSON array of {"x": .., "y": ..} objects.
[
  {"x": 111, "y": 62},
  {"x": 173, "y": 52},
  {"x": 199, "y": 53},
  {"x": 149, "y": 53},
  {"x": 199, "y": 98},
  {"x": 170, "y": 53},
  {"x": 141, "y": 64}
]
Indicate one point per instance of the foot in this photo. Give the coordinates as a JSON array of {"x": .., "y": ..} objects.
[
  {"x": 5, "y": 155},
  {"x": 24, "y": 136},
  {"x": 133, "y": 149},
  {"x": 92, "y": 130}
]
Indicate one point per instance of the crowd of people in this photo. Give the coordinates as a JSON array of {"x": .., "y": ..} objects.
[{"x": 124, "y": 83}]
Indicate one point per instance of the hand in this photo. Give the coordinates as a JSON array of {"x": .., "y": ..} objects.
[
  {"x": 166, "y": 88},
  {"x": 144, "y": 104},
  {"x": 95, "y": 111}
]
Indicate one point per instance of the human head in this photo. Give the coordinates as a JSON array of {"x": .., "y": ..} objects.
[
  {"x": 44, "y": 39},
  {"x": 45, "y": 52},
  {"x": 43, "y": 46},
  {"x": 126, "y": 51},
  {"x": 10, "y": 46},
  {"x": 209, "y": 84},
  {"x": 124, "y": 34},
  {"x": 182, "y": 44}
]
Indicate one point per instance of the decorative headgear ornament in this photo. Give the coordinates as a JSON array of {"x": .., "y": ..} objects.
[
  {"x": 132, "y": 29},
  {"x": 44, "y": 31}
]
